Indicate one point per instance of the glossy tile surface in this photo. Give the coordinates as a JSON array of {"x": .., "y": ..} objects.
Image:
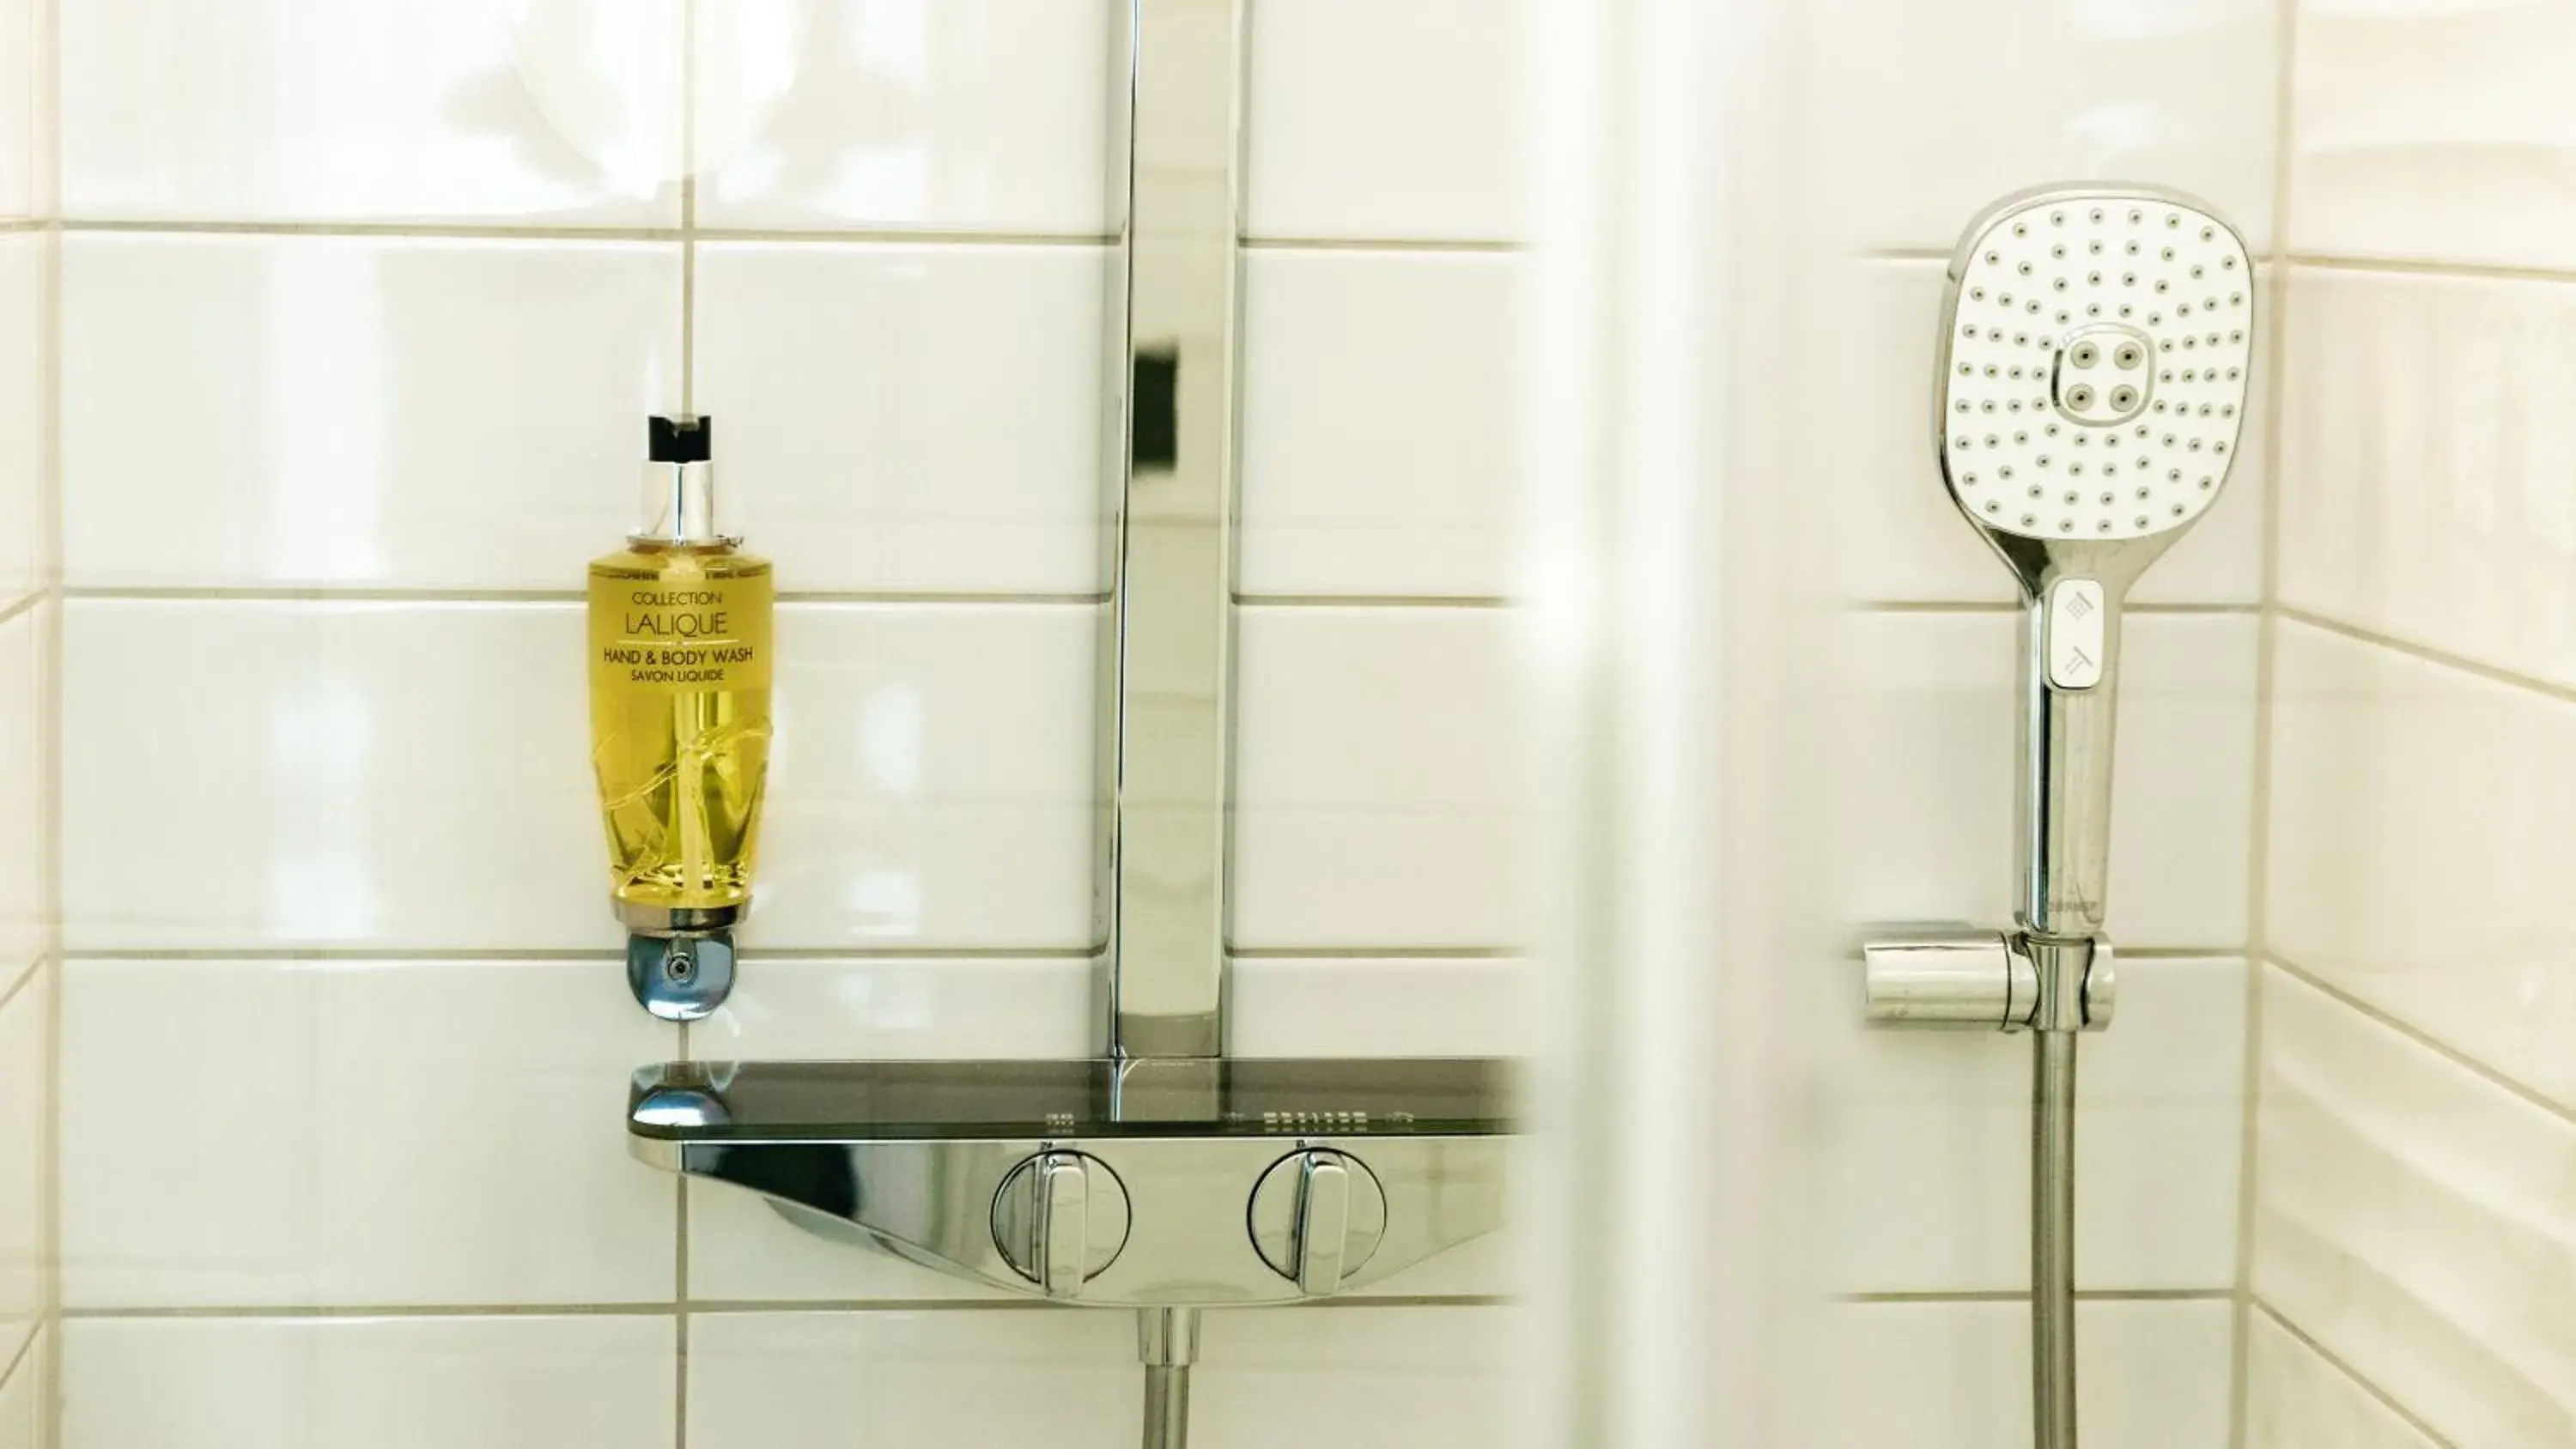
[
  {"x": 909, "y": 418},
  {"x": 1381, "y": 426},
  {"x": 25, "y": 800},
  {"x": 2419, "y": 822},
  {"x": 26, "y": 408},
  {"x": 1378, "y": 1378},
  {"x": 931, "y": 784},
  {"x": 2413, "y": 1218},
  {"x": 930, "y": 115},
  {"x": 1359, "y": 1006},
  {"x": 2424, "y": 489},
  {"x": 2434, "y": 132},
  {"x": 2297, "y": 1399},
  {"x": 931, "y": 781},
  {"x": 407, "y": 1132},
  {"x": 1377, "y": 799},
  {"x": 1957, "y": 1376},
  {"x": 739, "y": 1250},
  {"x": 1926, "y": 800},
  {"x": 1926, "y": 113},
  {"x": 388, "y": 1383},
  {"x": 24, "y": 124},
  {"x": 22, "y": 1398},
  {"x": 26, "y": 1194},
  {"x": 1899, "y": 535},
  {"x": 1349, "y": 136},
  {"x": 565, "y": 113},
  {"x": 1940, "y": 1122},
  {"x": 789, "y": 1381},
  {"x": 380, "y": 411}
]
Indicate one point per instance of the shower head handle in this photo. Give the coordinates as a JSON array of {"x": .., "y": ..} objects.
[{"x": 2095, "y": 351}]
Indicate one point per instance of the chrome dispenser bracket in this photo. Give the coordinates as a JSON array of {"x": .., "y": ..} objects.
[
  {"x": 1959, "y": 977},
  {"x": 679, "y": 963}
]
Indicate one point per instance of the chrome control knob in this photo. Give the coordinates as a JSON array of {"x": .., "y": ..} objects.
[
  {"x": 1316, "y": 1217},
  {"x": 1059, "y": 1220}
]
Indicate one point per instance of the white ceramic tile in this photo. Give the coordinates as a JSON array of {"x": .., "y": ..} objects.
[
  {"x": 1940, "y": 1122},
  {"x": 1957, "y": 1376},
  {"x": 1925, "y": 797},
  {"x": 26, "y": 1191},
  {"x": 396, "y": 412},
  {"x": 2428, "y": 423},
  {"x": 1379, "y": 1006},
  {"x": 741, "y": 1251},
  {"x": 1899, "y": 535},
  {"x": 1011, "y": 1376},
  {"x": 1926, "y": 113},
  {"x": 22, "y": 125},
  {"x": 405, "y": 1132},
  {"x": 562, "y": 113},
  {"x": 913, "y": 418},
  {"x": 529, "y": 1382},
  {"x": 22, "y": 1397},
  {"x": 1376, "y": 1378},
  {"x": 1388, "y": 119},
  {"x": 2414, "y": 1219},
  {"x": 26, "y": 405},
  {"x": 1379, "y": 422},
  {"x": 2437, "y": 132},
  {"x": 2419, "y": 830},
  {"x": 1377, "y": 799},
  {"x": 409, "y": 775},
  {"x": 932, "y": 115},
  {"x": 25, "y": 716},
  {"x": 2298, "y": 1400},
  {"x": 932, "y": 781}
]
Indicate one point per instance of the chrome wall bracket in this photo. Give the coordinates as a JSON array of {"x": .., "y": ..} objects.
[
  {"x": 1960, "y": 977},
  {"x": 679, "y": 963}
]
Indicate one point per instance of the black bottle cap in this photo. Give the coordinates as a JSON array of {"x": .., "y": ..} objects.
[{"x": 680, "y": 440}]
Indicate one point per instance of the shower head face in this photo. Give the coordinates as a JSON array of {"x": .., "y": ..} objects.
[{"x": 2096, "y": 352}]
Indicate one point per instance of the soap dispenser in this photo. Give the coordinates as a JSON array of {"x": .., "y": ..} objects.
[{"x": 679, "y": 644}]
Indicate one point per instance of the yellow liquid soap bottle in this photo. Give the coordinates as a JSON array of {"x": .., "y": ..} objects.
[{"x": 680, "y": 651}]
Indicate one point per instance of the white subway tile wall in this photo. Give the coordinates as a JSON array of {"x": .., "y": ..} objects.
[
  {"x": 1956, "y": 1375},
  {"x": 2433, "y": 133},
  {"x": 2413, "y": 1218},
  {"x": 2416, "y": 1114},
  {"x": 2298, "y": 1399},
  {"x": 360, "y": 311},
  {"x": 411, "y": 1382},
  {"x": 28, "y": 970},
  {"x": 562, "y": 114},
  {"x": 1928, "y": 112}
]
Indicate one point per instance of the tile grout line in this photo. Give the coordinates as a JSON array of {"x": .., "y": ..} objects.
[
  {"x": 519, "y": 955},
  {"x": 1425, "y": 246},
  {"x": 606, "y": 235},
  {"x": 2266, "y": 645},
  {"x": 683, "y": 1046},
  {"x": 2427, "y": 654},
  {"x": 2336, "y": 1361},
  {"x": 49, "y": 748},
  {"x": 2022, "y": 1295},
  {"x": 2407, "y": 267},
  {"x": 2009, "y": 607},
  {"x": 725, "y": 1307},
  {"x": 12, "y": 987},
  {"x": 19, "y": 1356},
  {"x": 366, "y": 594},
  {"x": 2501, "y": 1081}
]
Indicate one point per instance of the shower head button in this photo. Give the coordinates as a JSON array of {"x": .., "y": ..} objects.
[{"x": 2074, "y": 640}]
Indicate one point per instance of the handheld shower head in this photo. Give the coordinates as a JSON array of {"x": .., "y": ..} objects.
[{"x": 2095, "y": 360}]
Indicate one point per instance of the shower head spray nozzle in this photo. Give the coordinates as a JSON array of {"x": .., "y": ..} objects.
[{"x": 2096, "y": 344}]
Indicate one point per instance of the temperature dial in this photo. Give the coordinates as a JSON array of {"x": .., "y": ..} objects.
[
  {"x": 1316, "y": 1217},
  {"x": 1059, "y": 1220}
]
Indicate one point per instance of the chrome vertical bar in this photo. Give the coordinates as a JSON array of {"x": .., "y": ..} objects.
[{"x": 1168, "y": 710}]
